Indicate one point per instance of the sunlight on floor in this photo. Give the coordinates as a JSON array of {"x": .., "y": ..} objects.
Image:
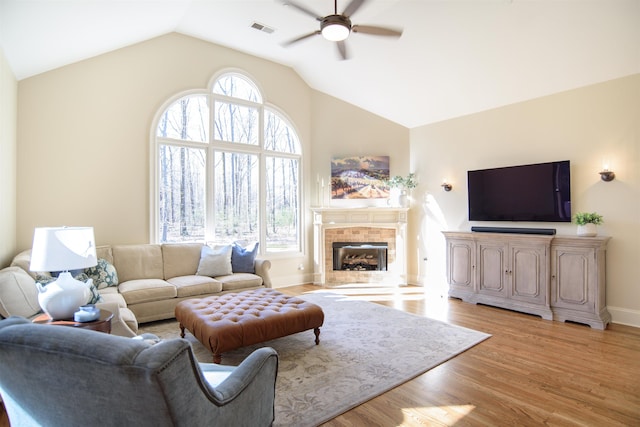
[
  {"x": 446, "y": 415},
  {"x": 424, "y": 302}
]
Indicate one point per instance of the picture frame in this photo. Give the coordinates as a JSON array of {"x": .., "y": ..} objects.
[{"x": 359, "y": 178}]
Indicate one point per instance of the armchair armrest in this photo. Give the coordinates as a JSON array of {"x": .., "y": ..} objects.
[{"x": 255, "y": 375}]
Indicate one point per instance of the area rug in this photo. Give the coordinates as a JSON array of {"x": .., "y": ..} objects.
[{"x": 365, "y": 350}]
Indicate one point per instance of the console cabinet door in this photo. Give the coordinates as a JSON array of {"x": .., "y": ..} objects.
[
  {"x": 492, "y": 268},
  {"x": 527, "y": 273},
  {"x": 460, "y": 266},
  {"x": 573, "y": 286},
  {"x": 578, "y": 280}
]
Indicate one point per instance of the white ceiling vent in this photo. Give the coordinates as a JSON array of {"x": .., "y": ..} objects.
[{"x": 262, "y": 27}]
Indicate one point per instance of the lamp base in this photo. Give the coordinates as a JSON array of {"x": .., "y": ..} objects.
[{"x": 62, "y": 298}]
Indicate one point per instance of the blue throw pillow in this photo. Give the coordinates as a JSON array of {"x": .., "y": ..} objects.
[{"x": 242, "y": 258}]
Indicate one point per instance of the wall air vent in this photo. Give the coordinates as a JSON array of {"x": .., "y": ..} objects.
[{"x": 262, "y": 27}]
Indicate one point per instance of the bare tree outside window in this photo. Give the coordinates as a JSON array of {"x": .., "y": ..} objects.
[{"x": 224, "y": 165}]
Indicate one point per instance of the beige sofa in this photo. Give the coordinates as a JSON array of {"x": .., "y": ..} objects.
[{"x": 152, "y": 279}]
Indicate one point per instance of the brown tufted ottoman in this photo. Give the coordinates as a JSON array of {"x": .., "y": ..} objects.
[{"x": 230, "y": 321}]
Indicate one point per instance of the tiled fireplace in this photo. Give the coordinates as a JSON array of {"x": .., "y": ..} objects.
[{"x": 375, "y": 242}]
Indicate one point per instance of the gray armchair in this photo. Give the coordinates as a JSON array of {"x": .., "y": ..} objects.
[{"x": 64, "y": 376}]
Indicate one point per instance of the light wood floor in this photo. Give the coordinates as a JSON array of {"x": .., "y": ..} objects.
[{"x": 531, "y": 372}]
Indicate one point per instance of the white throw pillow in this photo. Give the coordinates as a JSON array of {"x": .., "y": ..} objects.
[
  {"x": 18, "y": 293},
  {"x": 215, "y": 262}
]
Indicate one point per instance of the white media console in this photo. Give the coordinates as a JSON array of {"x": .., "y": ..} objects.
[{"x": 556, "y": 277}]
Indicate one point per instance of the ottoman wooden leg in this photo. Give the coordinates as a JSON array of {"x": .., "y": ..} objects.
[
  {"x": 181, "y": 331},
  {"x": 217, "y": 358},
  {"x": 316, "y": 331}
]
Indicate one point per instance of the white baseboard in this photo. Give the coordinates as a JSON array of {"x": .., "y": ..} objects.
[
  {"x": 291, "y": 280},
  {"x": 625, "y": 316}
]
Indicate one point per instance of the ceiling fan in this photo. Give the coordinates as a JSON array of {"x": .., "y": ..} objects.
[{"x": 337, "y": 27}]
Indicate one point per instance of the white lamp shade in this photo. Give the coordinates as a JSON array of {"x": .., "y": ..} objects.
[{"x": 63, "y": 249}]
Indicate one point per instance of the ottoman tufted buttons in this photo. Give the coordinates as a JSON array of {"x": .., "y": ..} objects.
[{"x": 226, "y": 322}]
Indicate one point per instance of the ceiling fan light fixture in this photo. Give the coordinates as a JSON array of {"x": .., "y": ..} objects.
[
  {"x": 335, "y": 28},
  {"x": 335, "y": 32}
]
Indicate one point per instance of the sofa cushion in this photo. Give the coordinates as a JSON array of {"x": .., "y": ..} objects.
[
  {"x": 23, "y": 260},
  {"x": 105, "y": 253},
  {"x": 239, "y": 281},
  {"x": 180, "y": 259},
  {"x": 215, "y": 261},
  {"x": 146, "y": 290},
  {"x": 104, "y": 274},
  {"x": 188, "y": 286},
  {"x": 242, "y": 258},
  {"x": 134, "y": 262},
  {"x": 18, "y": 293}
]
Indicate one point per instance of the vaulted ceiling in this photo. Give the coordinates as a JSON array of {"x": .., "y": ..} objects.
[{"x": 455, "y": 57}]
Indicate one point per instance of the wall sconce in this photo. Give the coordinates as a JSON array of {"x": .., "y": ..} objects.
[
  {"x": 446, "y": 186},
  {"x": 606, "y": 175}
]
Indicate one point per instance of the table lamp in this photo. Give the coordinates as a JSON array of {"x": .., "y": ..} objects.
[{"x": 62, "y": 249}]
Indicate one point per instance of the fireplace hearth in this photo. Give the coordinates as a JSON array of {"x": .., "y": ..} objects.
[{"x": 360, "y": 256}]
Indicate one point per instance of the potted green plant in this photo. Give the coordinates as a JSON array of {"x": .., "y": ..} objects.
[
  {"x": 404, "y": 184},
  {"x": 587, "y": 222}
]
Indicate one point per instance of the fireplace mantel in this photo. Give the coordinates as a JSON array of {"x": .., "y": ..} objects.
[
  {"x": 359, "y": 215},
  {"x": 328, "y": 219}
]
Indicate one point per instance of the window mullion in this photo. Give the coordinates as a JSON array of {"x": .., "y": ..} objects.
[
  {"x": 262, "y": 193},
  {"x": 210, "y": 221}
]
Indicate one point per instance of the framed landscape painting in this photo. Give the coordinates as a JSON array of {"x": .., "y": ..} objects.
[{"x": 360, "y": 177}]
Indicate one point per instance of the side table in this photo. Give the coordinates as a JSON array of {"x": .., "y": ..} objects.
[{"x": 102, "y": 324}]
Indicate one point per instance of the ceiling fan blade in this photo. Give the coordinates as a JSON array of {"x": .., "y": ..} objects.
[
  {"x": 302, "y": 9},
  {"x": 342, "y": 49},
  {"x": 352, "y": 7},
  {"x": 376, "y": 31},
  {"x": 297, "y": 39}
]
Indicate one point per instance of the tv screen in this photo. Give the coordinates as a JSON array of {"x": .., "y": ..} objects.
[{"x": 537, "y": 192}]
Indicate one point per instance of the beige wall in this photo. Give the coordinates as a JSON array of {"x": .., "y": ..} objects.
[
  {"x": 83, "y": 157},
  {"x": 8, "y": 110},
  {"x": 342, "y": 130},
  {"x": 84, "y": 130},
  {"x": 583, "y": 126}
]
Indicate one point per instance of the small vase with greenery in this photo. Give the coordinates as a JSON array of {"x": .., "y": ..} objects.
[
  {"x": 587, "y": 222},
  {"x": 404, "y": 184}
]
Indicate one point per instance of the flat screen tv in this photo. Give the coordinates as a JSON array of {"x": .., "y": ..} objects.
[{"x": 538, "y": 192}]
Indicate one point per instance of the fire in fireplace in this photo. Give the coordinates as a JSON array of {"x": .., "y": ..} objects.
[{"x": 360, "y": 256}]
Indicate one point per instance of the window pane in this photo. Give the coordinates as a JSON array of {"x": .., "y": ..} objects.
[
  {"x": 236, "y": 197},
  {"x": 182, "y": 193},
  {"x": 186, "y": 119},
  {"x": 278, "y": 135},
  {"x": 282, "y": 204},
  {"x": 236, "y": 123},
  {"x": 237, "y": 87}
]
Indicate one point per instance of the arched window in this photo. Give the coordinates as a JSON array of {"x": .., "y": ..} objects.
[{"x": 227, "y": 168}]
